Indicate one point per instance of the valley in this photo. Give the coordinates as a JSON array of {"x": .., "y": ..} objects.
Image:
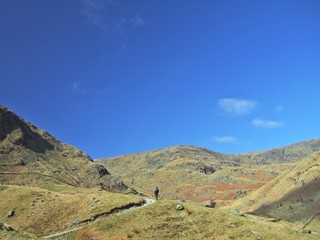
[{"x": 49, "y": 187}]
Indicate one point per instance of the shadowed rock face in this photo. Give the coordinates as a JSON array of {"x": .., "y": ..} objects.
[
  {"x": 31, "y": 156},
  {"x": 18, "y": 132}
]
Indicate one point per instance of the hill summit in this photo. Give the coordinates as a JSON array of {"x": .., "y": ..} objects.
[{"x": 199, "y": 174}]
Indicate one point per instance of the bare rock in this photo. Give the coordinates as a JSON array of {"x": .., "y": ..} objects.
[
  {"x": 179, "y": 207},
  {"x": 11, "y": 213},
  {"x": 210, "y": 204},
  {"x": 237, "y": 212},
  {"x": 8, "y": 228}
]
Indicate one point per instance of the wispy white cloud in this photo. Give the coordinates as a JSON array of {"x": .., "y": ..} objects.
[
  {"x": 279, "y": 108},
  {"x": 95, "y": 4},
  {"x": 93, "y": 10},
  {"x": 121, "y": 25},
  {"x": 97, "y": 13},
  {"x": 258, "y": 122},
  {"x": 125, "y": 23},
  {"x": 76, "y": 88},
  {"x": 92, "y": 17},
  {"x": 237, "y": 107},
  {"x": 223, "y": 139},
  {"x": 138, "y": 21}
]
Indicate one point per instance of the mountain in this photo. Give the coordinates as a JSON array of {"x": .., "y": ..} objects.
[
  {"x": 46, "y": 185},
  {"x": 198, "y": 174},
  {"x": 293, "y": 196},
  {"x": 291, "y": 153},
  {"x": 31, "y": 156}
]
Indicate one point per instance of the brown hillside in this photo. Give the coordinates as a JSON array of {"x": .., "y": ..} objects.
[
  {"x": 293, "y": 196},
  {"x": 198, "y": 174},
  {"x": 31, "y": 156}
]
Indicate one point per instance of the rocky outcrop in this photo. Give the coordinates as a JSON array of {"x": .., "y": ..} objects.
[
  {"x": 206, "y": 169},
  {"x": 15, "y": 130},
  {"x": 102, "y": 170}
]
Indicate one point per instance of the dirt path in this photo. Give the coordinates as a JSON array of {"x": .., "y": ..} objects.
[{"x": 148, "y": 202}]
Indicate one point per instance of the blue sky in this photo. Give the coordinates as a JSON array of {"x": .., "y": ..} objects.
[{"x": 114, "y": 77}]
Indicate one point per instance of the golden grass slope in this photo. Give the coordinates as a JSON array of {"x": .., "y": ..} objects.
[
  {"x": 293, "y": 196},
  {"x": 16, "y": 235},
  {"x": 197, "y": 174},
  {"x": 41, "y": 212},
  {"x": 162, "y": 221}
]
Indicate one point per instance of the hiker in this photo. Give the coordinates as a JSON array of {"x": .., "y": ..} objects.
[{"x": 156, "y": 192}]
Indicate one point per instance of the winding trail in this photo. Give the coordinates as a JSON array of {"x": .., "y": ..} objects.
[{"x": 147, "y": 202}]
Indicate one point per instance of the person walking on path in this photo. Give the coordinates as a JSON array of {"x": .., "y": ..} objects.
[{"x": 156, "y": 192}]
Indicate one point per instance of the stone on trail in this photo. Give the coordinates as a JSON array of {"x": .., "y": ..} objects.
[{"x": 75, "y": 221}]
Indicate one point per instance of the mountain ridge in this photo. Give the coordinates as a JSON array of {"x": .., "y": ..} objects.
[
  {"x": 32, "y": 156},
  {"x": 200, "y": 174}
]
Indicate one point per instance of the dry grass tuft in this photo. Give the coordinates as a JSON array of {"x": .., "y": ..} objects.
[
  {"x": 129, "y": 235},
  {"x": 88, "y": 234},
  {"x": 135, "y": 230},
  {"x": 189, "y": 212},
  {"x": 118, "y": 238}
]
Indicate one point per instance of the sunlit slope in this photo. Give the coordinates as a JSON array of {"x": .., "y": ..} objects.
[
  {"x": 290, "y": 153},
  {"x": 162, "y": 221},
  {"x": 186, "y": 172},
  {"x": 31, "y": 156},
  {"x": 42, "y": 212},
  {"x": 293, "y": 196}
]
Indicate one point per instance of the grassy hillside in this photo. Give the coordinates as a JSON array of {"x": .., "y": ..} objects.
[
  {"x": 293, "y": 196},
  {"x": 41, "y": 212},
  {"x": 162, "y": 221},
  {"x": 31, "y": 156},
  {"x": 50, "y": 185},
  {"x": 186, "y": 172}
]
